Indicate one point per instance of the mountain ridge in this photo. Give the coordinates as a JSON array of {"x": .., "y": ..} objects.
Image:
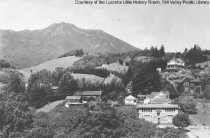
[{"x": 28, "y": 48}]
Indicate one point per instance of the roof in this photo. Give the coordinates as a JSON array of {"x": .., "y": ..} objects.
[
  {"x": 130, "y": 97},
  {"x": 73, "y": 97},
  {"x": 92, "y": 93},
  {"x": 177, "y": 60},
  {"x": 140, "y": 95},
  {"x": 191, "y": 79},
  {"x": 158, "y": 106},
  {"x": 160, "y": 100}
]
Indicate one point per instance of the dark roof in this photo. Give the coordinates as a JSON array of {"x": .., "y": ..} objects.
[{"x": 92, "y": 93}]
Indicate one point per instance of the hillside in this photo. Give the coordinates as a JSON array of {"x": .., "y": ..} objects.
[
  {"x": 116, "y": 67},
  {"x": 28, "y": 48},
  {"x": 50, "y": 65},
  {"x": 203, "y": 64}
]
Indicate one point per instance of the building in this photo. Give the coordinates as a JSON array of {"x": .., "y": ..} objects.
[
  {"x": 157, "y": 108},
  {"x": 189, "y": 84},
  {"x": 130, "y": 100},
  {"x": 91, "y": 95},
  {"x": 175, "y": 64},
  {"x": 73, "y": 100},
  {"x": 158, "y": 113}
]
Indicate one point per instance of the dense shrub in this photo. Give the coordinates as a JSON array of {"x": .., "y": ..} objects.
[
  {"x": 170, "y": 132},
  {"x": 181, "y": 120},
  {"x": 4, "y": 64},
  {"x": 76, "y": 52},
  {"x": 187, "y": 104}
]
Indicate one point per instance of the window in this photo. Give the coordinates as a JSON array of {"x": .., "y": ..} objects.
[{"x": 146, "y": 110}]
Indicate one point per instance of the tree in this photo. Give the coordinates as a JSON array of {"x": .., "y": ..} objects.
[
  {"x": 15, "y": 116},
  {"x": 67, "y": 85},
  {"x": 134, "y": 127},
  {"x": 187, "y": 104},
  {"x": 101, "y": 124},
  {"x": 57, "y": 74},
  {"x": 207, "y": 92},
  {"x": 146, "y": 80},
  {"x": 195, "y": 55},
  {"x": 169, "y": 132},
  {"x": 162, "y": 51},
  {"x": 39, "y": 90},
  {"x": 38, "y": 96},
  {"x": 181, "y": 120}
]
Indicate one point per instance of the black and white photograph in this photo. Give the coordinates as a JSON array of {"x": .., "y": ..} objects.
[{"x": 104, "y": 69}]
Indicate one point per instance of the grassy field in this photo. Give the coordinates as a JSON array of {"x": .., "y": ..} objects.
[
  {"x": 50, "y": 65},
  {"x": 203, "y": 115},
  {"x": 50, "y": 106}
]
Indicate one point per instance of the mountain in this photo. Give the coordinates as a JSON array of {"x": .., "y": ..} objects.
[{"x": 31, "y": 47}]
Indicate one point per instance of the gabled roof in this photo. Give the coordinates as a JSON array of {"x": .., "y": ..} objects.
[
  {"x": 130, "y": 97},
  {"x": 92, "y": 93},
  {"x": 177, "y": 60},
  {"x": 73, "y": 97},
  {"x": 160, "y": 100}
]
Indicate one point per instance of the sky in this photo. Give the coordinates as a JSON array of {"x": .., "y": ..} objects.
[{"x": 175, "y": 26}]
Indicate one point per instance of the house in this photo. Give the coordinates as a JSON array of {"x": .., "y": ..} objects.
[
  {"x": 73, "y": 100},
  {"x": 158, "y": 113},
  {"x": 190, "y": 84},
  {"x": 157, "y": 108},
  {"x": 91, "y": 95},
  {"x": 130, "y": 100},
  {"x": 175, "y": 64}
]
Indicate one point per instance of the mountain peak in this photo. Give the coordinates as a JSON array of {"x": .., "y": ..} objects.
[
  {"x": 41, "y": 45},
  {"x": 62, "y": 25}
]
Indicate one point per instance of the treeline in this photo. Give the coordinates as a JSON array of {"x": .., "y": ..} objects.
[
  {"x": 194, "y": 55},
  {"x": 5, "y": 64},
  {"x": 105, "y": 58},
  {"x": 88, "y": 70},
  {"x": 76, "y": 52}
]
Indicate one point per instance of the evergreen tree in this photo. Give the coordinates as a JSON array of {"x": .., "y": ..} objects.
[
  {"x": 67, "y": 85},
  {"x": 147, "y": 79},
  {"x": 195, "y": 55},
  {"x": 162, "y": 51}
]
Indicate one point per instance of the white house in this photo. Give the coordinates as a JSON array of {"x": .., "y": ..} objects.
[
  {"x": 158, "y": 113},
  {"x": 175, "y": 64},
  {"x": 130, "y": 100}
]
